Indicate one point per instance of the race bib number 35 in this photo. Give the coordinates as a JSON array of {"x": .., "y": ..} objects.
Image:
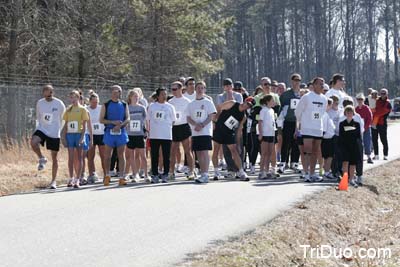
[
  {"x": 315, "y": 115},
  {"x": 72, "y": 127}
]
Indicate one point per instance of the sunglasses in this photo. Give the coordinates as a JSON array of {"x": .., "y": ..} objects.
[
  {"x": 383, "y": 93},
  {"x": 266, "y": 84},
  {"x": 174, "y": 89},
  {"x": 190, "y": 84},
  {"x": 297, "y": 80}
]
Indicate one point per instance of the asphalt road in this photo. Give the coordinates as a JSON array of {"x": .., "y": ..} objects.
[{"x": 141, "y": 225}]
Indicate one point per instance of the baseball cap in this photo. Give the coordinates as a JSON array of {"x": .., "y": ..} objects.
[
  {"x": 250, "y": 100},
  {"x": 237, "y": 85},
  {"x": 227, "y": 81}
]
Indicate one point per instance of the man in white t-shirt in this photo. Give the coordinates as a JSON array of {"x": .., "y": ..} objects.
[
  {"x": 338, "y": 83},
  {"x": 190, "y": 93},
  {"x": 309, "y": 114},
  {"x": 49, "y": 112},
  {"x": 181, "y": 131},
  {"x": 200, "y": 113},
  {"x": 161, "y": 116}
]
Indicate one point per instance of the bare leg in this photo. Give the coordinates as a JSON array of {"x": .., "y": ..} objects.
[
  {"x": 235, "y": 156},
  {"x": 188, "y": 153},
  {"x": 35, "y": 144},
  {"x": 121, "y": 159},
  {"x": 55, "y": 165}
]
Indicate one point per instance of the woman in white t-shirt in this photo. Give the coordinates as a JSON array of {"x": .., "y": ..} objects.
[
  {"x": 161, "y": 116},
  {"x": 266, "y": 126}
]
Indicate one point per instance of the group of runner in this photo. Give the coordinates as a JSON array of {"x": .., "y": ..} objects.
[{"x": 307, "y": 123}]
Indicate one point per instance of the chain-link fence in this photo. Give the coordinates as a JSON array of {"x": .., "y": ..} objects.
[{"x": 18, "y": 98}]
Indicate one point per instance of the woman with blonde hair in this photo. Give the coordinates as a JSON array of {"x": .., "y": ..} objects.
[{"x": 73, "y": 134}]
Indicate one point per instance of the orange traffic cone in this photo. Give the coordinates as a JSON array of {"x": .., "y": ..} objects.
[{"x": 344, "y": 183}]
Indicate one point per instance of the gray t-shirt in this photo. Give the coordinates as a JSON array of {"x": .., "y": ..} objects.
[
  {"x": 221, "y": 98},
  {"x": 137, "y": 116}
]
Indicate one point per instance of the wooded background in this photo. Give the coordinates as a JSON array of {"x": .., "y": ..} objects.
[{"x": 148, "y": 43}]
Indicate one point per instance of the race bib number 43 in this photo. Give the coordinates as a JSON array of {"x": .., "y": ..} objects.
[{"x": 72, "y": 127}]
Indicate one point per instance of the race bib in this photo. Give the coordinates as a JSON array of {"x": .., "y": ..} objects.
[
  {"x": 293, "y": 103},
  {"x": 178, "y": 116},
  {"x": 349, "y": 128},
  {"x": 135, "y": 126},
  {"x": 47, "y": 118},
  {"x": 257, "y": 130},
  {"x": 72, "y": 127},
  {"x": 231, "y": 123},
  {"x": 316, "y": 115},
  {"x": 199, "y": 115},
  {"x": 112, "y": 132},
  {"x": 97, "y": 129},
  {"x": 159, "y": 115}
]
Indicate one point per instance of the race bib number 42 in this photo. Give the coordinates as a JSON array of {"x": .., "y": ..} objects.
[
  {"x": 72, "y": 127},
  {"x": 47, "y": 118}
]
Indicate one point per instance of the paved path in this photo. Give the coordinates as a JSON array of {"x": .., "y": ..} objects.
[{"x": 141, "y": 225}]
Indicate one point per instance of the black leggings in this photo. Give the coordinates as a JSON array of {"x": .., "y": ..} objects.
[
  {"x": 380, "y": 130},
  {"x": 155, "y": 145},
  {"x": 253, "y": 147},
  {"x": 289, "y": 144}
]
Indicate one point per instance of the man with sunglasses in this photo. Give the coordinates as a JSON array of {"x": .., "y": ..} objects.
[
  {"x": 289, "y": 101},
  {"x": 181, "y": 131},
  {"x": 190, "y": 93},
  {"x": 382, "y": 110}
]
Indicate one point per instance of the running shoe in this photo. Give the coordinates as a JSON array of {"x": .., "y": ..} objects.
[
  {"x": 42, "y": 163},
  {"x": 147, "y": 179},
  {"x": 385, "y": 157},
  {"x": 252, "y": 169},
  {"x": 203, "y": 179},
  {"x": 83, "y": 181},
  {"x": 316, "y": 178},
  {"x": 261, "y": 176},
  {"x": 353, "y": 183},
  {"x": 106, "y": 180},
  {"x": 76, "y": 183},
  {"x": 70, "y": 182},
  {"x": 230, "y": 175},
  {"x": 53, "y": 185},
  {"x": 369, "y": 161},
  {"x": 360, "y": 180},
  {"x": 171, "y": 177},
  {"x": 376, "y": 157},
  {"x": 179, "y": 168},
  {"x": 307, "y": 178},
  {"x": 135, "y": 178},
  {"x": 281, "y": 167},
  {"x": 329, "y": 175},
  {"x": 217, "y": 175},
  {"x": 122, "y": 182},
  {"x": 155, "y": 179},
  {"x": 141, "y": 173},
  {"x": 191, "y": 175},
  {"x": 164, "y": 178},
  {"x": 243, "y": 176}
]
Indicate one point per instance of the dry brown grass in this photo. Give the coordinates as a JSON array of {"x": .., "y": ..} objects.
[
  {"x": 366, "y": 217},
  {"x": 18, "y": 171}
]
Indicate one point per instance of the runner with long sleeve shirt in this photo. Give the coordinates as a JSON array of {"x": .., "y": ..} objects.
[{"x": 309, "y": 113}]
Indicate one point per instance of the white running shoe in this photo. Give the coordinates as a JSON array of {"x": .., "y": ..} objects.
[
  {"x": 203, "y": 179},
  {"x": 360, "y": 180},
  {"x": 141, "y": 173},
  {"x": 316, "y": 178},
  {"x": 53, "y": 185},
  {"x": 281, "y": 167},
  {"x": 230, "y": 175},
  {"x": 217, "y": 175},
  {"x": 353, "y": 183},
  {"x": 307, "y": 178},
  {"x": 252, "y": 169},
  {"x": 376, "y": 157},
  {"x": 42, "y": 163},
  {"x": 243, "y": 176}
]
